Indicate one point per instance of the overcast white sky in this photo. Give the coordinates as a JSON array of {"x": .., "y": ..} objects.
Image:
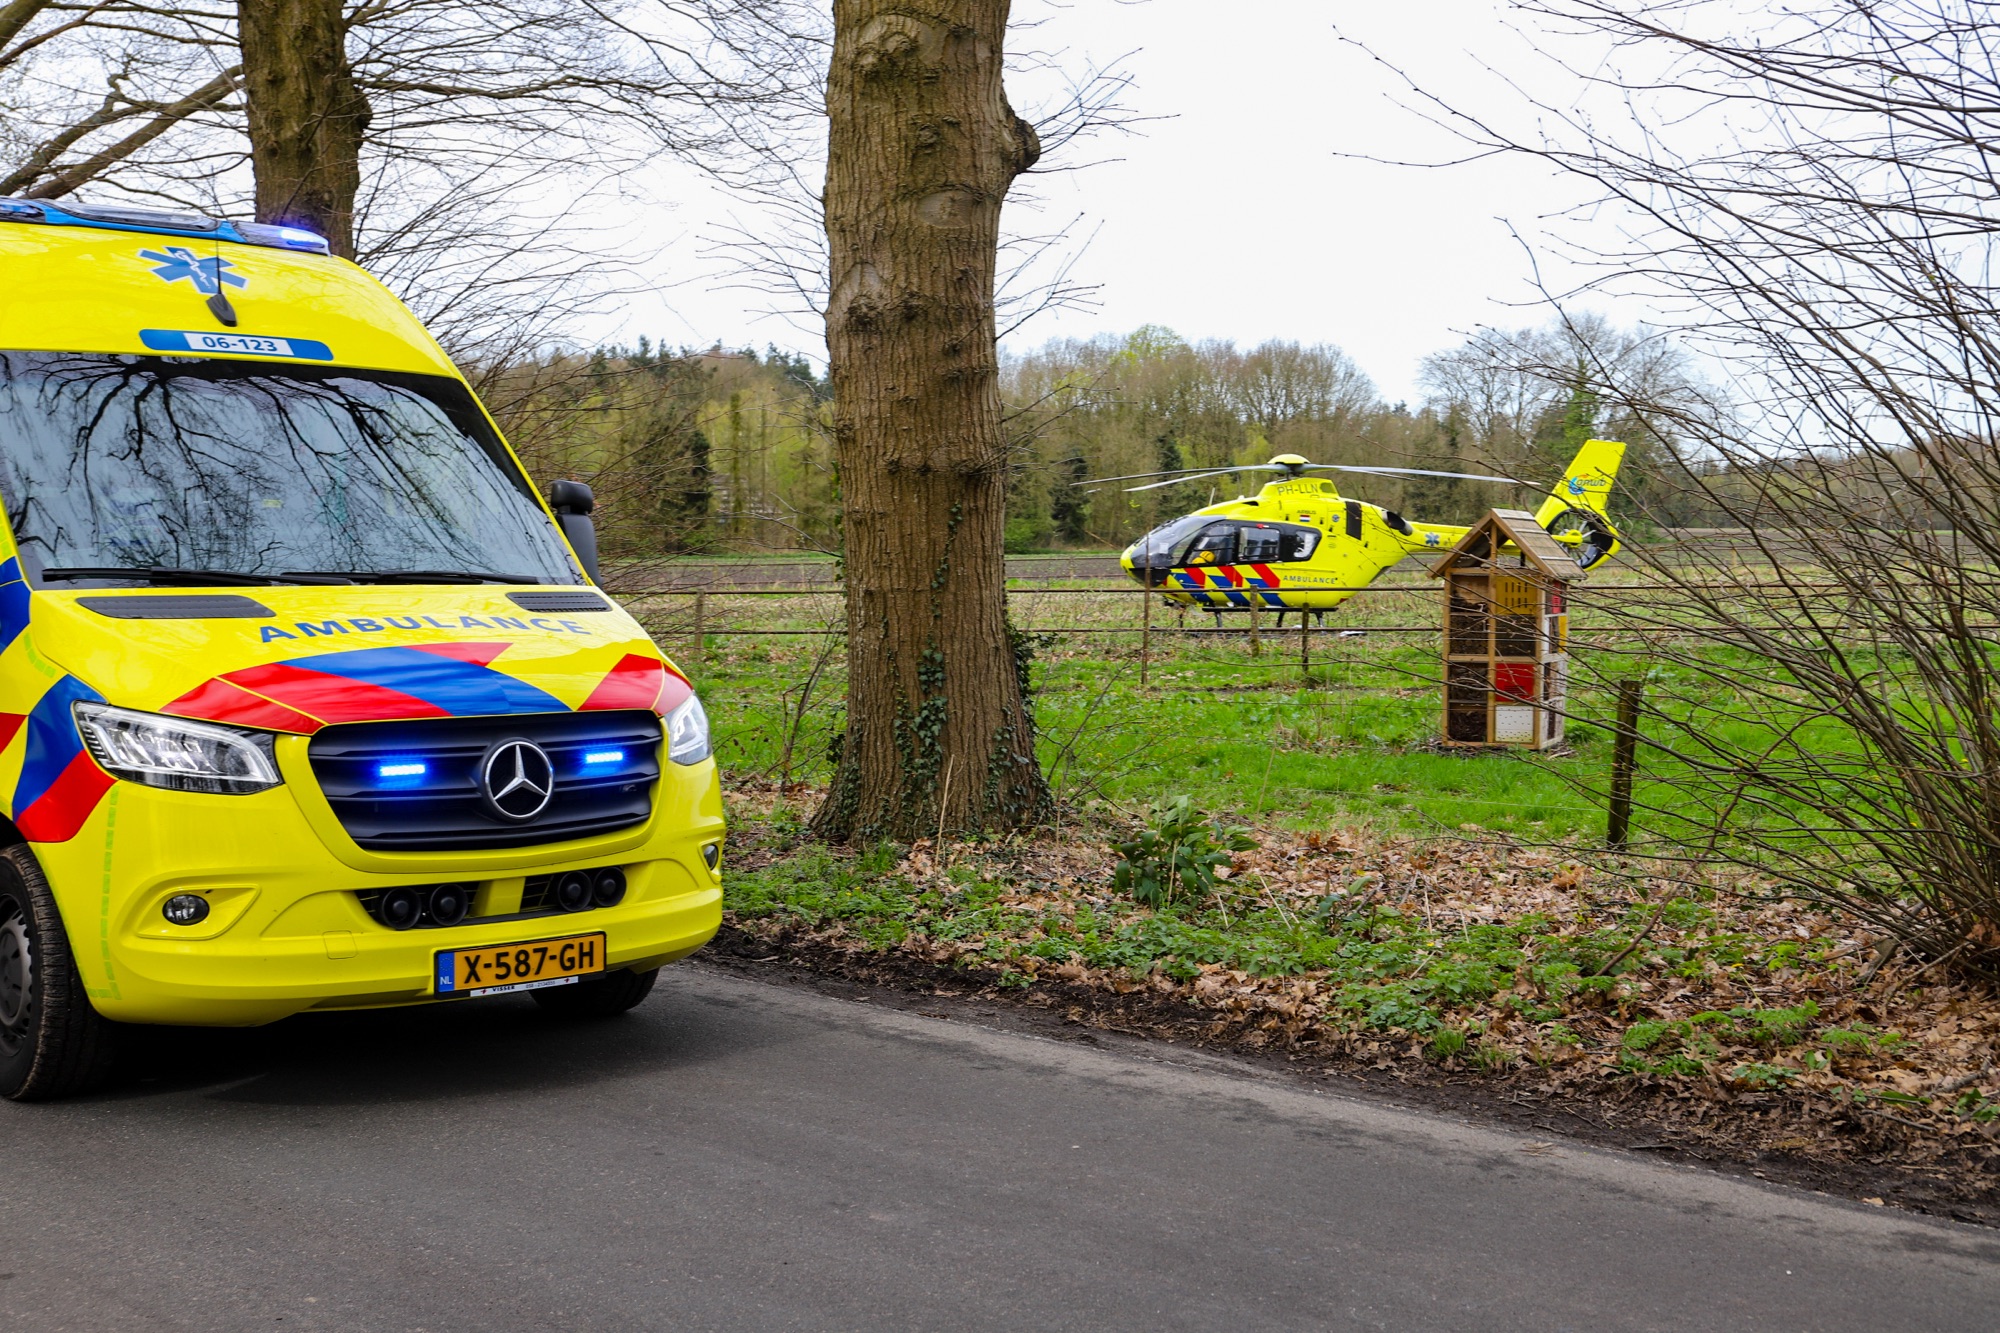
[{"x": 1234, "y": 215}]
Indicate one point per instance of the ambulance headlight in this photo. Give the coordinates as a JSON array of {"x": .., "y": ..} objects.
[
  {"x": 687, "y": 733},
  {"x": 175, "y": 753}
]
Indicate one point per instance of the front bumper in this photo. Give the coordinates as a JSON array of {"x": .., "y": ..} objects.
[{"x": 286, "y": 931}]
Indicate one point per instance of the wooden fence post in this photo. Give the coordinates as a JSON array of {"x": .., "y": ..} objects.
[
  {"x": 1624, "y": 750},
  {"x": 1256, "y": 648},
  {"x": 1305, "y": 649},
  {"x": 1145, "y": 632},
  {"x": 694, "y": 648}
]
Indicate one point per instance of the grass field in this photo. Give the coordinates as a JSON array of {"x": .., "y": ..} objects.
[{"x": 1232, "y": 723}]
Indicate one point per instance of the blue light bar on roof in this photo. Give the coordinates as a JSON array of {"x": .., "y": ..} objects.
[
  {"x": 284, "y": 238},
  {"x": 159, "y": 222}
]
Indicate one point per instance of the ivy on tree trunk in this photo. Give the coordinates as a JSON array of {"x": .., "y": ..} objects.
[{"x": 922, "y": 148}]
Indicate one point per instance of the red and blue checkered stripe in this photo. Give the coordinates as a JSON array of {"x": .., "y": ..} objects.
[{"x": 59, "y": 784}]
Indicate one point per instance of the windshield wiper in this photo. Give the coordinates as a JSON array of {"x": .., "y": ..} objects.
[
  {"x": 419, "y": 576},
  {"x": 228, "y": 578}
]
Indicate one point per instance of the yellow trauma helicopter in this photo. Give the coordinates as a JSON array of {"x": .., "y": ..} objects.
[{"x": 1302, "y": 546}]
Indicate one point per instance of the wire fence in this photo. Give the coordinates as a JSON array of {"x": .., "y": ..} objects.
[
  {"x": 1385, "y": 638},
  {"x": 772, "y": 665},
  {"x": 692, "y": 617}
]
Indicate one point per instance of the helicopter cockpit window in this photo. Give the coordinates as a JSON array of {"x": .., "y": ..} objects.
[
  {"x": 1199, "y": 539},
  {"x": 1215, "y": 546},
  {"x": 1275, "y": 543},
  {"x": 1258, "y": 543},
  {"x": 1162, "y": 547}
]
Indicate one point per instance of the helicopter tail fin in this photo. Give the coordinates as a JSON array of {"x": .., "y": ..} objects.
[
  {"x": 1586, "y": 483},
  {"x": 1575, "y": 512}
]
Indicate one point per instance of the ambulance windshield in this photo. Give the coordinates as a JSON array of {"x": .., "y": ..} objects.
[{"x": 192, "y": 467}]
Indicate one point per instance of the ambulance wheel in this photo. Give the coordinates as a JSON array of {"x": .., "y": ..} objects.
[
  {"x": 600, "y": 997},
  {"x": 52, "y": 1042}
]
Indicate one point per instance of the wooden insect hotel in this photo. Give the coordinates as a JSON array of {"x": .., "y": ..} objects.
[{"x": 1506, "y": 633}]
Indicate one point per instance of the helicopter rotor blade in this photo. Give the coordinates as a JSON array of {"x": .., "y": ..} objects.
[
  {"x": 1184, "y": 473},
  {"x": 1418, "y": 472},
  {"x": 1175, "y": 481}
]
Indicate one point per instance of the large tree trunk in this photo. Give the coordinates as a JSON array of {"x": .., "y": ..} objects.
[
  {"x": 922, "y": 147},
  {"x": 306, "y": 117}
]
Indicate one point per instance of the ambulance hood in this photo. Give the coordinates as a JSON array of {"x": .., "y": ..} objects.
[{"x": 296, "y": 659}]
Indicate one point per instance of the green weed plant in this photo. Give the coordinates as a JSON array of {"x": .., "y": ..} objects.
[{"x": 1175, "y": 857}]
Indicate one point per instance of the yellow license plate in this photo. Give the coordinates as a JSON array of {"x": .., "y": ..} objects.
[{"x": 497, "y": 969}]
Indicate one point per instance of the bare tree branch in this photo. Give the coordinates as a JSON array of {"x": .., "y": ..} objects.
[{"x": 39, "y": 178}]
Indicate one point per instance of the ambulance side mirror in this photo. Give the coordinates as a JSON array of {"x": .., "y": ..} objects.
[{"x": 573, "y": 501}]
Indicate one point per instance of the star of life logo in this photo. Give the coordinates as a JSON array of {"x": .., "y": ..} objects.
[
  {"x": 1432, "y": 539},
  {"x": 209, "y": 274}
]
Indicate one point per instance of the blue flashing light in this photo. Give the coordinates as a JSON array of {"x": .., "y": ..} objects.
[
  {"x": 285, "y": 238},
  {"x": 402, "y": 769},
  {"x": 159, "y": 222},
  {"x": 604, "y": 757}
]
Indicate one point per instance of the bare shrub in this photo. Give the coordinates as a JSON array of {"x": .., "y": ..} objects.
[{"x": 1813, "y": 194}]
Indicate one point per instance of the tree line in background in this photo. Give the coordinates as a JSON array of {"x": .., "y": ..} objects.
[
  {"x": 712, "y": 450},
  {"x": 1515, "y": 404},
  {"x": 687, "y": 451}
]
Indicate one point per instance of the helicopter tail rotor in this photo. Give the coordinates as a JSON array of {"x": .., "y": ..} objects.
[{"x": 1577, "y": 509}]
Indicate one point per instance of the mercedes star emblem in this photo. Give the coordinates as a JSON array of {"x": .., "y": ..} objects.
[{"x": 518, "y": 780}]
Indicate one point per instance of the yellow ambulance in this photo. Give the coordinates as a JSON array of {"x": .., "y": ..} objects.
[{"x": 307, "y": 698}]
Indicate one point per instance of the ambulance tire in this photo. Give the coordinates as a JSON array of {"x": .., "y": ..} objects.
[
  {"x": 52, "y": 1042},
  {"x": 600, "y": 997}
]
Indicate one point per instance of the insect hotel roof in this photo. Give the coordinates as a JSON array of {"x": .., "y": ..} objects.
[{"x": 1501, "y": 528}]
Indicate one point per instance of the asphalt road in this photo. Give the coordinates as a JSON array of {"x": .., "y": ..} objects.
[{"x": 736, "y": 1155}]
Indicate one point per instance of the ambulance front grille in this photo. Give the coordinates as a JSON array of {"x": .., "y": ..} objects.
[{"x": 443, "y": 808}]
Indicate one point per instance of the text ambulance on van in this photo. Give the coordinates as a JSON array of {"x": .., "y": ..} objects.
[{"x": 306, "y": 701}]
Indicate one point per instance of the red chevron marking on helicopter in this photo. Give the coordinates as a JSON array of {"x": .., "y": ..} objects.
[
  {"x": 1226, "y": 576},
  {"x": 1264, "y": 572}
]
